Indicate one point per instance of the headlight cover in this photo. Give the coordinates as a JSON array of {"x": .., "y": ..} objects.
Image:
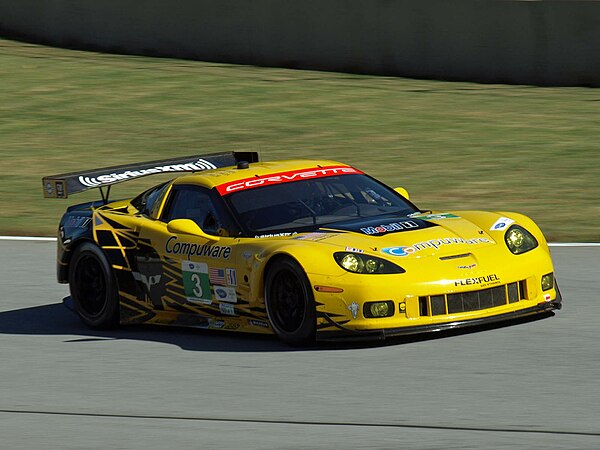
[
  {"x": 360, "y": 263},
  {"x": 519, "y": 240},
  {"x": 373, "y": 310}
]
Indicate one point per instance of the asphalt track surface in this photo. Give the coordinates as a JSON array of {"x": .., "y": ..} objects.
[{"x": 533, "y": 385}]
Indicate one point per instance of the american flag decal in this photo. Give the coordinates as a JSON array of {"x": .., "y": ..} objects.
[{"x": 216, "y": 276}]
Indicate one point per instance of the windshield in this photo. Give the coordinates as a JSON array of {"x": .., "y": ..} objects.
[{"x": 309, "y": 204}]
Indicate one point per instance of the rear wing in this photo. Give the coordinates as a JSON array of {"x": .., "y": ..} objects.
[{"x": 63, "y": 185}]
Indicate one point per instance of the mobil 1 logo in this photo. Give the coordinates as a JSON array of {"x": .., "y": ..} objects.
[{"x": 196, "y": 282}]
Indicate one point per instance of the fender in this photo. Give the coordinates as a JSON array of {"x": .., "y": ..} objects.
[{"x": 75, "y": 227}]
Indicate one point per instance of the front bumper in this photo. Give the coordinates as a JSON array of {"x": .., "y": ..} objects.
[{"x": 345, "y": 334}]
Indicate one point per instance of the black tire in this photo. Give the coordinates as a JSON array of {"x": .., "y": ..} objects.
[
  {"x": 93, "y": 287},
  {"x": 290, "y": 303}
]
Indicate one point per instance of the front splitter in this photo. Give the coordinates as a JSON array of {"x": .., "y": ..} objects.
[{"x": 346, "y": 334}]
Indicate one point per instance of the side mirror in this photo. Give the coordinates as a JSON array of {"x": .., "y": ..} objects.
[
  {"x": 403, "y": 192},
  {"x": 188, "y": 226}
]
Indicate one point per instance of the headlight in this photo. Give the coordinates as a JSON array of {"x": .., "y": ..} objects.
[
  {"x": 548, "y": 281},
  {"x": 359, "y": 263},
  {"x": 519, "y": 240}
]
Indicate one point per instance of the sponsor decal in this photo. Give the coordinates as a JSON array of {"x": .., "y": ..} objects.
[
  {"x": 485, "y": 280},
  {"x": 216, "y": 323},
  {"x": 432, "y": 243},
  {"x": 285, "y": 177},
  {"x": 108, "y": 178},
  {"x": 312, "y": 236},
  {"x": 216, "y": 275},
  {"x": 468, "y": 267},
  {"x": 547, "y": 297},
  {"x": 60, "y": 189},
  {"x": 231, "y": 277},
  {"x": 78, "y": 222},
  {"x": 225, "y": 294},
  {"x": 189, "y": 249},
  {"x": 223, "y": 325},
  {"x": 227, "y": 308},
  {"x": 231, "y": 325},
  {"x": 353, "y": 308},
  {"x": 355, "y": 250},
  {"x": 274, "y": 235},
  {"x": 433, "y": 216},
  {"x": 57, "y": 187},
  {"x": 501, "y": 224},
  {"x": 258, "y": 323},
  {"x": 391, "y": 227},
  {"x": 196, "y": 283}
]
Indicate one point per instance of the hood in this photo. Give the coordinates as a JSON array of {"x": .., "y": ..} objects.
[{"x": 416, "y": 236}]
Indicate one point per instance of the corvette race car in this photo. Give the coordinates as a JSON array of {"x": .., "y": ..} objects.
[{"x": 307, "y": 250}]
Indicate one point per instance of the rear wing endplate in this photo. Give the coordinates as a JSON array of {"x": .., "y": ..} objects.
[{"x": 61, "y": 186}]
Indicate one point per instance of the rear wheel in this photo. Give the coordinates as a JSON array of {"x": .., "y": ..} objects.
[
  {"x": 93, "y": 287},
  {"x": 290, "y": 303}
]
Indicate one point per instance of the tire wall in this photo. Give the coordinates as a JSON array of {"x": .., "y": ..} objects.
[{"x": 501, "y": 41}]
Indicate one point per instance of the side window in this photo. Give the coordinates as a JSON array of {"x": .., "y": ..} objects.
[
  {"x": 157, "y": 201},
  {"x": 191, "y": 202},
  {"x": 149, "y": 202}
]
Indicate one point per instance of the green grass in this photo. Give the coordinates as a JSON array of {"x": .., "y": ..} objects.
[{"x": 452, "y": 145}]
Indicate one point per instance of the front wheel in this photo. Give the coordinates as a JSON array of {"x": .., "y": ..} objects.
[
  {"x": 93, "y": 287},
  {"x": 290, "y": 303}
]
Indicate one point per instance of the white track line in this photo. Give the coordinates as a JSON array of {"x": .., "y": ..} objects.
[
  {"x": 574, "y": 244},
  {"x": 27, "y": 238},
  {"x": 53, "y": 239}
]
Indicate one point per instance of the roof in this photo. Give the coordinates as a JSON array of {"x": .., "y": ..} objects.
[{"x": 227, "y": 175}]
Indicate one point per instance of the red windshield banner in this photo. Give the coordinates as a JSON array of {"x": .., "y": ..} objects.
[{"x": 285, "y": 177}]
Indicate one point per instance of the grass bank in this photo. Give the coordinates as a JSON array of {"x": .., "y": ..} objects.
[{"x": 452, "y": 145}]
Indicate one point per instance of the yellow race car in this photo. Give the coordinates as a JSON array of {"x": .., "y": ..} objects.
[{"x": 308, "y": 250}]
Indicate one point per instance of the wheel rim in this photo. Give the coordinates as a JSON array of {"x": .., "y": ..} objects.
[
  {"x": 287, "y": 300},
  {"x": 90, "y": 285}
]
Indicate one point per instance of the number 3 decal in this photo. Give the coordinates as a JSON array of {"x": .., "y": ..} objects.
[
  {"x": 196, "y": 282},
  {"x": 197, "y": 291}
]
